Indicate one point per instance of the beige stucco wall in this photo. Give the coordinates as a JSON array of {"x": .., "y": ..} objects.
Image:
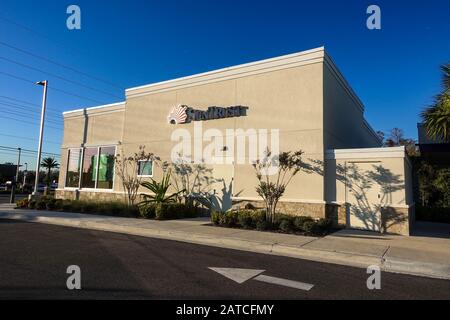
[
  {"x": 388, "y": 189},
  {"x": 393, "y": 173},
  {"x": 94, "y": 128},
  {"x": 289, "y": 100},
  {"x": 344, "y": 123}
]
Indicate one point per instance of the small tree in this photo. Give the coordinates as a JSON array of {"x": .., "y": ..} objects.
[
  {"x": 271, "y": 187},
  {"x": 127, "y": 170},
  {"x": 49, "y": 164},
  {"x": 397, "y": 138}
]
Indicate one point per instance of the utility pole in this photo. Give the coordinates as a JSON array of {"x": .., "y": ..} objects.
[
  {"x": 16, "y": 178},
  {"x": 25, "y": 175},
  {"x": 41, "y": 134}
]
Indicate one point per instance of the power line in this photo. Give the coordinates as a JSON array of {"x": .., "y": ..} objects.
[
  {"x": 56, "y": 116},
  {"x": 15, "y": 155},
  {"x": 33, "y": 31},
  {"x": 27, "y": 138},
  {"x": 26, "y": 150},
  {"x": 15, "y": 104},
  {"x": 54, "y": 88},
  {"x": 75, "y": 95},
  {"x": 15, "y": 107},
  {"x": 29, "y": 103},
  {"x": 28, "y": 117},
  {"x": 27, "y": 108},
  {"x": 59, "y": 77},
  {"x": 29, "y": 122},
  {"x": 18, "y": 100},
  {"x": 60, "y": 65}
]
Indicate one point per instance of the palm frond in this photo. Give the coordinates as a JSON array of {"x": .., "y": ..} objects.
[{"x": 436, "y": 118}]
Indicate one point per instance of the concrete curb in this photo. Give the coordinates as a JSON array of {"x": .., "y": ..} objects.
[
  {"x": 430, "y": 270},
  {"x": 416, "y": 268}
]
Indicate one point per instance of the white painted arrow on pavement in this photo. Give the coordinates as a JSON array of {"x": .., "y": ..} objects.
[{"x": 242, "y": 275}]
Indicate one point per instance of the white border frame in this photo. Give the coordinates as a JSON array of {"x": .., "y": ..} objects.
[
  {"x": 95, "y": 189},
  {"x": 145, "y": 176},
  {"x": 79, "y": 168}
]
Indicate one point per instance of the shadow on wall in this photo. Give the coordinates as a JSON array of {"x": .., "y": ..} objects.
[
  {"x": 222, "y": 201},
  {"x": 218, "y": 201},
  {"x": 370, "y": 187}
]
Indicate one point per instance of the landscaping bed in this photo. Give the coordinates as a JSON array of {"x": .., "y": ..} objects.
[
  {"x": 161, "y": 211},
  {"x": 256, "y": 220}
]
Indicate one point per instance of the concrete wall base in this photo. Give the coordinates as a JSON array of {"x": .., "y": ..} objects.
[
  {"x": 89, "y": 195},
  {"x": 397, "y": 220}
]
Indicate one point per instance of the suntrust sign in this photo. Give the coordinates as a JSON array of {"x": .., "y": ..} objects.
[{"x": 186, "y": 114}]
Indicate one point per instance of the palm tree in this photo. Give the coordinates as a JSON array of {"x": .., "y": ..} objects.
[
  {"x": 436, "y": 117},
  {"x": 49, "y": 163}
]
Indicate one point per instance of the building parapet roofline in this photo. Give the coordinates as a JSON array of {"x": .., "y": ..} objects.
[
  {"x": 316, "y": 55},
  {"x": 286, "y": 61},
  {"x": 112, "y": 106}
]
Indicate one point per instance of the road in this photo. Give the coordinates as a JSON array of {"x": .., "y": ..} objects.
[{"x": 34, "y": 259}]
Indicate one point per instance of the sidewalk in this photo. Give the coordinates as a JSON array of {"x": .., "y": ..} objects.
[{"x": 422, "y": 255}]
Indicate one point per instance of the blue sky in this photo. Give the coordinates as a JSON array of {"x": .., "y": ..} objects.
[{"x": 395, "y": 70}]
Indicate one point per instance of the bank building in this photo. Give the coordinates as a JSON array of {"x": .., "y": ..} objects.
[{"x": 352, "y": 179}]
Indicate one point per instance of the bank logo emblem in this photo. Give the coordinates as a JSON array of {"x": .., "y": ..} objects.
[
  {"x": 178, "y": 115},
  {"x": 185, "y": 114}
]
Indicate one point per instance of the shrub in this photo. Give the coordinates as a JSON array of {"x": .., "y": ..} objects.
[
  {"x": 245, "y": 219},
  {"x": 165, "y": 211},
  {"x": 216, "y": 217},
  {"x": 317, "y": 228},
  {"x": 300, "y": 221},
  {"x": 286, "y": 225},
  {"x": 23, "y": 203},
  {"x": 58, "y": 204},
  {"x": 32, "y": 204},
  {"x": 161, "y": 212},
  {"x": 50, "y": 204},
  {"x": 88, "y": 207},
  {"x": 103, "y": 208},
  {"x": 280, "y": 218},
  {"x": 258, "y": 216},
  {"x": 325, "y": 225},
  {"x": 41, "y": 204},
  {"x": 112, "y": 208},
  {"x": 262, "y": 225},
  {"x": 75, "y": 206},
  {"x": 66, "y": 205},
  {"x": 132, "y": 211},
  {"x": 310, "y": 227},
  {"x": 229, "y": 219},
  {"x": 147, "y": 211},
  {"x": 191, "y": 211}
]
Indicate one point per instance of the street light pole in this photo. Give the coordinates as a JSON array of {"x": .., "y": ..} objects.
[
  {"x": 41, "y": 134},
  {"x": 13, "y": 189}
]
